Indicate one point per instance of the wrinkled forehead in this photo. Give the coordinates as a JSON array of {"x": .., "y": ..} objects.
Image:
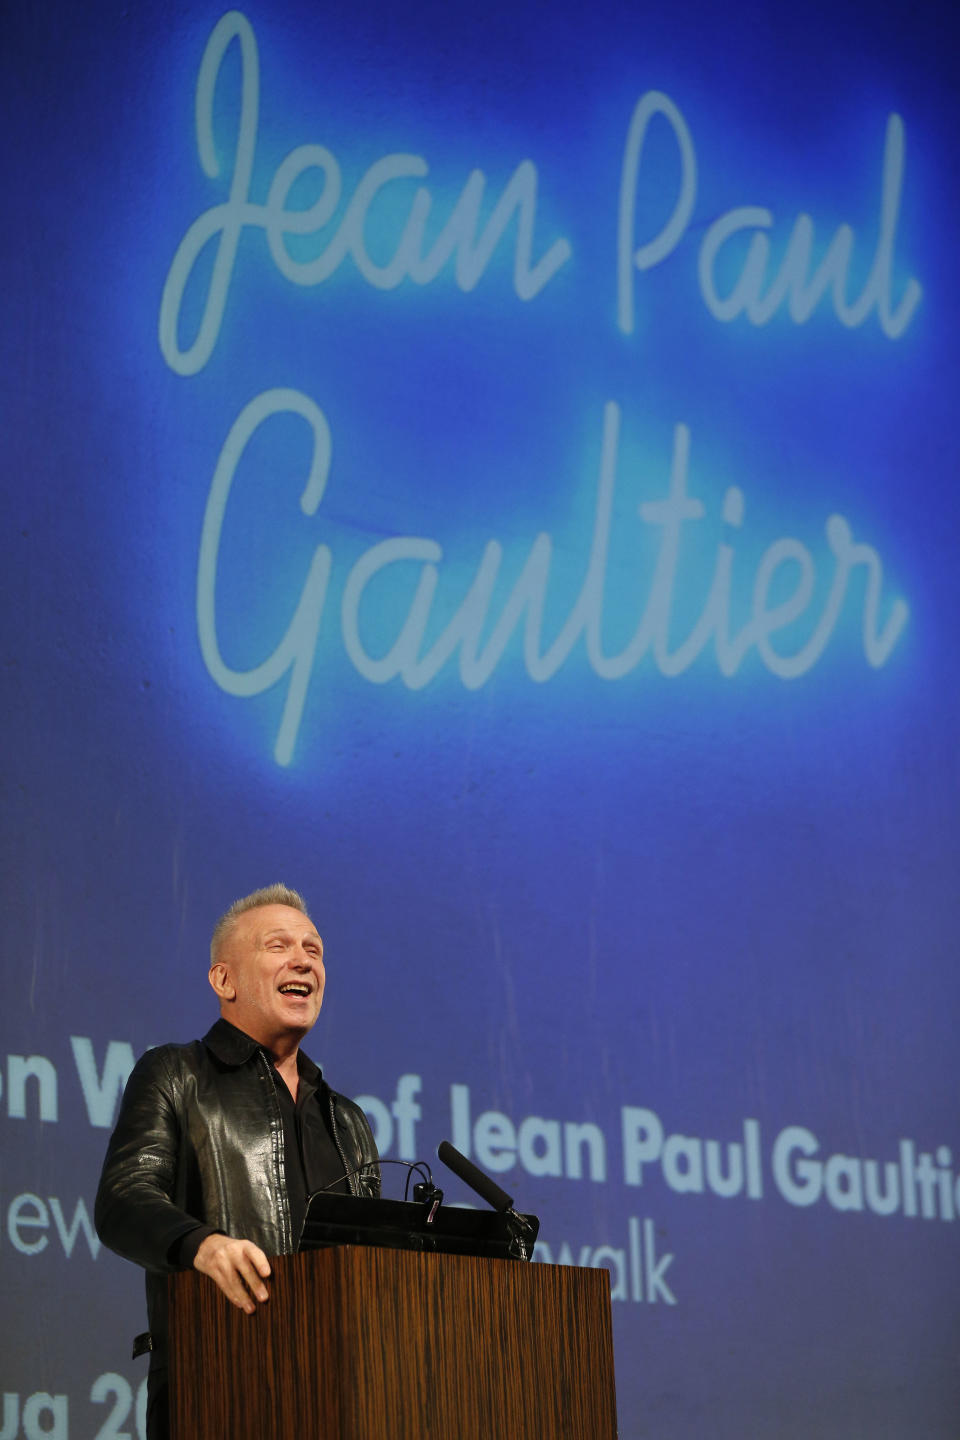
[{"x": 254, "y": 927}]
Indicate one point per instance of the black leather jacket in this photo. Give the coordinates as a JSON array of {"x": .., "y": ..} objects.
[{"x": 199, "y": 1139}]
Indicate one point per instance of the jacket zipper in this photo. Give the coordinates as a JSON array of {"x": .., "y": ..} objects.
[
  {"x": 276, "y": 1134},
  {"x": 351, "y": 1179}
]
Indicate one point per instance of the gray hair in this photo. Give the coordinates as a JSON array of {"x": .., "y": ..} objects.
[{"x": 278, "y": 894}]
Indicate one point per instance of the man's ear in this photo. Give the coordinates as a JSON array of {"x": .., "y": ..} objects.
[{"x": 222, "y": 982}]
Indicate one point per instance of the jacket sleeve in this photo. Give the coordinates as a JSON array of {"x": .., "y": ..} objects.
[{"x": 135, "y": 1214}]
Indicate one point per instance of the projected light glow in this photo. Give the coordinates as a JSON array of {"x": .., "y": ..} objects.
[
  {"x": 405, "y": 657},
  {"x": 752, "y": 293},
  {"x": 472, "y": 251},
  {"x": 458, "y": 238}
]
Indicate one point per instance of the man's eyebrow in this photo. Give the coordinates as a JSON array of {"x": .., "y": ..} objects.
[{"x": 286, "y": 934}]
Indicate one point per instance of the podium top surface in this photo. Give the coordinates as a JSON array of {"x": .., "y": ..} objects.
[{"x": 406, "y": 1225}]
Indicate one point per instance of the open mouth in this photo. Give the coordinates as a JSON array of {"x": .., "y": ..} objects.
[{"x": 296, "y": 988}]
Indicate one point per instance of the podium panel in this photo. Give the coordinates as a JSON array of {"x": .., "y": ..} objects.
[{"x": 360, "y": 1343}]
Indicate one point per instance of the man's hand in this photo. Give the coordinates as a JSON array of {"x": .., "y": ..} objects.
[{"x": 238, "y": 1267}]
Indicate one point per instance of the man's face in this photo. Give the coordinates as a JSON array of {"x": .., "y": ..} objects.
[{"x": 270, "y": 976}]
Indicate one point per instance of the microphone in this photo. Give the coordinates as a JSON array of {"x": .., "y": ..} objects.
[
  {"x": 518, "y": 1226},
  {"x": 486, "y": 1188}
]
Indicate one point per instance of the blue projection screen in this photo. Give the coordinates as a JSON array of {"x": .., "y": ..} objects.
[{"x": 496, "y": 472}]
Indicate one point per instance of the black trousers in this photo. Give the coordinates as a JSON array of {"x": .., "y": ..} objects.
[{"x": 158, "y": 1405}]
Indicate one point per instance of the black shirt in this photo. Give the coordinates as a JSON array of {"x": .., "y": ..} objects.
[{"x": 311, "y": 1159}]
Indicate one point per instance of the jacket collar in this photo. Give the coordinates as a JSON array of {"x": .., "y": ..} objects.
[{"x": 233, "y": 1047}]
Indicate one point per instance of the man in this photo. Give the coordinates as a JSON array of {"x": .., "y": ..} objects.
[{"x": 219, "y": 1142}]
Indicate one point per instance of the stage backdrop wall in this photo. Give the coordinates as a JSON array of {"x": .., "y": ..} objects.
[{"x": 495, "y": 471}]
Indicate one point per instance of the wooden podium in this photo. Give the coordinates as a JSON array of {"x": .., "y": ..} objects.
[{"x": 361, "y": 1343}]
